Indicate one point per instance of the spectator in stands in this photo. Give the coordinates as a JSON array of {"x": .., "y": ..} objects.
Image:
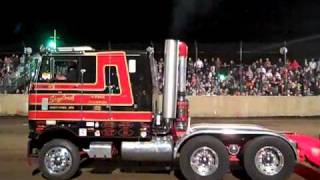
[
  {"x": 280, "y": 63},
  {"x": 306, "y": 63},
  {"x": 318, "y": 66},
  {"x": 218, "y": 64},
  {"x": 1, "y": 63},
  {"x": 294, "y": 65},
  {"x": 313, "y": 64},
  {"x": 198, "y": 65},
  {"x": 268, "y": 63}
]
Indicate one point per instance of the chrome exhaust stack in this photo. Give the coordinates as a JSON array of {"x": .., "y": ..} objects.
[
  {"x": 183, "y": 53},
  {"x": 170, "y": 80},
  {"x": 182, "y": 120}
]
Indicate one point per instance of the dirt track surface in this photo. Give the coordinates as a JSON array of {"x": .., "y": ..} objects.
[{"x": 13, "y": 142}]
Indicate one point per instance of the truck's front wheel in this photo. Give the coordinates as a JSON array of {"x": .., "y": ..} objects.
[
  {"x": 59, "y": 159},
  {"x": 204, "y": 157}
]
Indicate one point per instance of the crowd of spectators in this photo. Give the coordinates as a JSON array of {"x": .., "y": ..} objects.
[
  {"x": 262, "y": 77},
  {"x": 15, "y": 73},
  {"x": 206, "y": 77}
]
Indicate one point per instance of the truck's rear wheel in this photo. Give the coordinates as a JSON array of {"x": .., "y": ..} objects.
[
  {"x": 268, "y": 157},
  {"x": 204, "y": 157},
  {"x": 59, "y": 159}
]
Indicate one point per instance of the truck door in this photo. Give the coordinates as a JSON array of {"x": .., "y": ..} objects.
[
  {"x": 117, "y": 92},
  {"x": 126, "y": 112},
  {"x": 88, "y": 85}
]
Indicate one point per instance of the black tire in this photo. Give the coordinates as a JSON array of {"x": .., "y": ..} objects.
[
  {"x": 73, "y": 150},
  {"x": 198, "y": 142},
  {"x": 178, "y": 174},
  {"x": 240, "y": 174},
  {"x": 238, "y": 170},
  {"x": 253, "y": 146}
]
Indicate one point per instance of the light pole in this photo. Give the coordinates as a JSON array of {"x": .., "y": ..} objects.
[
  {"x": 241, "y": 52},
  {"x": 284, "y": 51}
]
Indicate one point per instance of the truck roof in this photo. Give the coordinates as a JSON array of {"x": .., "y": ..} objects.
[{"x": 127, "y": 52}]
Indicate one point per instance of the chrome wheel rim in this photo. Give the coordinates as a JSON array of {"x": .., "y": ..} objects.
[
  {"x": 58, "y": 160},
  {"x": 269, "y": 160},
  {"x": 204, "y": 161}
]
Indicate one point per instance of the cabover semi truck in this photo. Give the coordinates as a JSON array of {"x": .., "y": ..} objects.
[{"x": 105, "y": 105}]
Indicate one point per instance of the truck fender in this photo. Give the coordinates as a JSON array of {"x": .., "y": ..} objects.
[{"x": 227, "y": 130}]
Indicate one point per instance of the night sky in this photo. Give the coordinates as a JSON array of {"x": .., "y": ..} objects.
[{"x": 154, "y": 20}]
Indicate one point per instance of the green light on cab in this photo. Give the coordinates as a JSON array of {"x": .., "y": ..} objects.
[{"x": 51, "y": 44}]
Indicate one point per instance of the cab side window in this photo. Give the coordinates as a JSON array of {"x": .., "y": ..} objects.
[{"x": 90, "y": 65}]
